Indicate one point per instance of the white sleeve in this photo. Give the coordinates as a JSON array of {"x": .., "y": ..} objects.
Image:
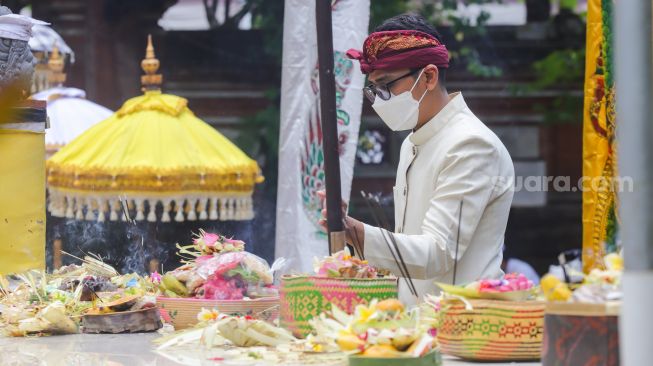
[{"x": 470, "y": 174}]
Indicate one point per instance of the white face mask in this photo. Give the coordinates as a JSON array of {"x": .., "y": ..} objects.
[{"x": 400, "y": 112}]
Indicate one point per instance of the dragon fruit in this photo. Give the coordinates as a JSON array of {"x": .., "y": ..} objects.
[{"x": 220, "y": 288}]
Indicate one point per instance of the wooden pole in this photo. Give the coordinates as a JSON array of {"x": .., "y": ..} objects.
[{"x": 329, "y": 125}]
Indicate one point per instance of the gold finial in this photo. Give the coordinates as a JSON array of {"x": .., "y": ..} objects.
[
  {"x": 56, "y": 77},
  {"x": 150, "y": 65}
]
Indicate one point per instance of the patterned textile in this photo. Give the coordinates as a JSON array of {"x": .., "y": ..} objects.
[
  {"x": 299, "y": 237},
  {"x": 493, "y": 330},
  {"x": 305, "y": 297},
  {"x": 400, "y": 49},
  {"x": 599, "y": 146}
]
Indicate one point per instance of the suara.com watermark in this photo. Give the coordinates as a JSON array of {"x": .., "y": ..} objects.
[{"x": 539, "y": 183}]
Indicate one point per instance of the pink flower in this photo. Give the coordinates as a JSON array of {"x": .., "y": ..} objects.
[
  {"x": 511, "y": 282},
  {"x": 326, "y": 268},
  {"x": 155, "y": 277},
  {"x": 208, "y": 239}
]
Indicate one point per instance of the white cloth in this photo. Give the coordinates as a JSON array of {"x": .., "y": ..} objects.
[
  {"x": 16, "y": 26},
  {"x": 70, "y": 114},
  {"x": 44, "y": 38},
  {"x": 453, "y": 157},
  {"x": 299, "y": 238}
]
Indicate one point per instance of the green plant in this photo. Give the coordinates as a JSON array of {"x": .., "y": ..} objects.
[
  {"x": 444, "y": 12},
  {"x": 381, "y": 10},
  {"x": 561, "y": 70}
]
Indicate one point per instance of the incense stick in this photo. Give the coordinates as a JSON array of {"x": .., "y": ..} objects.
[
  {"x": 381, "y": 220},
  {"x": 125, "y": 210},
  {"x": 384, "y": 218},
  {"x": 408, "y": 277},
  {"x": 455, "y": 262},
  {"x": 394, "y": 242},
  {"x": 386, "y": 223},
  {"x": 378, "y": 223},
  {"x": 377, "y": 212}
]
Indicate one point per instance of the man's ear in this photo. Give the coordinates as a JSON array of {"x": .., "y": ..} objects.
[{"x": 432, "y": 75}]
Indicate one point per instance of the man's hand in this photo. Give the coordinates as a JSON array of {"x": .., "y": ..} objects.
[
  {"x": 354, "y": 230},
  {"x": 323, "y": 220}
]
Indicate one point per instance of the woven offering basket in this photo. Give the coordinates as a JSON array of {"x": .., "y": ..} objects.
[
  {"x": 305, "y": 297},
  {"x": 493, "y": 330},
  {"x": 183, "y": 311}
]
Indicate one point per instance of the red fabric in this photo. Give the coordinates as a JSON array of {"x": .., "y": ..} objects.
[{"x": 400, "y": 49}]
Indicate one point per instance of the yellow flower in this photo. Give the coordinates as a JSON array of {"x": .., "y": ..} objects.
[
  {"x": 363, "y": 313},
  {"x": 554, "y": 289},
  {"x": 614, "y": 262},
  {"x": 206, "y": 315}
]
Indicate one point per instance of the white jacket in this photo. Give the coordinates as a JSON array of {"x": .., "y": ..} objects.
[{"x": 453, "y": 157}]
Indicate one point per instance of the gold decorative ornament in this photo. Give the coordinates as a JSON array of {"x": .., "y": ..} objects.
[{"x": 150, "y": 65}]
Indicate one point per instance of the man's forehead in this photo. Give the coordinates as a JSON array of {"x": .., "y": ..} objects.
[{"x": 384, "y": 76}]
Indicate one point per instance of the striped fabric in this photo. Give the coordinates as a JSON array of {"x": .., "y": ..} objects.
[{"x": 493, "y": 330}]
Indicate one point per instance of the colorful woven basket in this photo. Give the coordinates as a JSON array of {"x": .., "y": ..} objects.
[
  {"x": 183, "y": 311},
  {"x": 305, "y": 297},
  {"x": 493, "y": 330}
]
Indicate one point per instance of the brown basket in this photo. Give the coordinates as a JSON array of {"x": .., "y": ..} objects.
[
  {"x": 183, "y": 311},
  {"x": 493, "y": 330}
]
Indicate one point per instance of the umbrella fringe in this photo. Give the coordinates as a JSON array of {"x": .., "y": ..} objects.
[{"x": 180, "y": 208}]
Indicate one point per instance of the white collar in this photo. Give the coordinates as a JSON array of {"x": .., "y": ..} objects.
[{"x": 432, "y": 127}]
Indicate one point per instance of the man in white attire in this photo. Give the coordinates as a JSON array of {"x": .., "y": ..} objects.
[{"x": 449, "y": 157}]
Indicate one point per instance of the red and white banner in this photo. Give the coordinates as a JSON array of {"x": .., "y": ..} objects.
[{"x": 301, "y": 159}]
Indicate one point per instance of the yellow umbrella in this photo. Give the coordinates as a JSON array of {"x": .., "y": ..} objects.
[{"x": 156, "y": 152}]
